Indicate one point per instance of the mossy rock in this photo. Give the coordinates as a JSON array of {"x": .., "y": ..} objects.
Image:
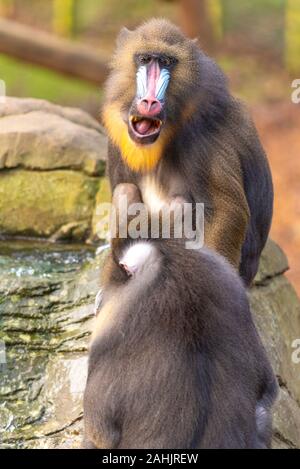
[
  {"x": 101, "y": 211},
  {"x": 39, "y": 203},
  {"x": 52, "y": 161}
]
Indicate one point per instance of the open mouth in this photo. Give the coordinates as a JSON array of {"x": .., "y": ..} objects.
[{"x": 145, "y": 127}]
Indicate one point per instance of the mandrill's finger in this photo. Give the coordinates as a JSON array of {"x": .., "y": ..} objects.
[
  {"x": 124, "y": 196},
  {"x": 130, "y": 191}
]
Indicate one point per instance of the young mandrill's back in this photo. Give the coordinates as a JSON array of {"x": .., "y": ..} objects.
[{"x": 175, "y": 360}]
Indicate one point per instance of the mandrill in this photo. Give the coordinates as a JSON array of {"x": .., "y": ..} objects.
[
  {"x": 175, "y": 131},
  {"x": 175, "y": 360}
]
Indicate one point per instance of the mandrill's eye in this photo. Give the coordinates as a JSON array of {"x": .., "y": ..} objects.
[
  {"x": 166, "y": 62},
  {"x": 145, "y": 59}
]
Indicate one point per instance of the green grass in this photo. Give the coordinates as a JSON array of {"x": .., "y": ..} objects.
[{"x": 23, "y": 80}]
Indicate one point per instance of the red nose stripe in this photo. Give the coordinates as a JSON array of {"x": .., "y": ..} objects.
[
  {"x": 152, "y": 78},
  {"x": 149, "y": 105}
]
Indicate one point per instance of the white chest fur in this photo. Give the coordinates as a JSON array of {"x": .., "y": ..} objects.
[{"x": 153, "y": 194}]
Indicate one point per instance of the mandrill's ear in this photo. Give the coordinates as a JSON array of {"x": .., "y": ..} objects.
[{"x": 122, "y": 36}]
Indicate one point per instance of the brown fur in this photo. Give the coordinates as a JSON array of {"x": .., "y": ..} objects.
[
  {"x": 208, "y": 150},
  {"x": 182, "y": 365}
]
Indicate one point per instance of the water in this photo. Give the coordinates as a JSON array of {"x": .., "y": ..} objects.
[
  {"x": 26, "y": 259},
  {"x": 46, "y": 308}
]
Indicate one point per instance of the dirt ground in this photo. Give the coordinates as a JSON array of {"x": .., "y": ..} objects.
[{"x": 279, "y": 128}]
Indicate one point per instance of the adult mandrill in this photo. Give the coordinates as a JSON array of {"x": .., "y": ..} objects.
[
  {"x": 175, "y": 130},
  {"x": 175, "y": 359}
]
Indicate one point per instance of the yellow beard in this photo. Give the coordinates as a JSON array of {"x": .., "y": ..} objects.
[{"x": 139, "y": 158}]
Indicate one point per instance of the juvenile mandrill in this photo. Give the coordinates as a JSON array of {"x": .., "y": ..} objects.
[
  {"x": 175, "y": 360},
  {"x": 175, "y": 130}
]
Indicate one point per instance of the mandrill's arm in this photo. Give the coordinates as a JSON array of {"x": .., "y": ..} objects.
[{"x": 225, "y": 230}]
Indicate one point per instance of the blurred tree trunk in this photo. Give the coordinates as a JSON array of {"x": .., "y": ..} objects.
[
  {"x": 47, "y": 50},
  {"x": 292, "y": 36},
  {"x": 64, "y": 17},
  {"x": 202, "y": 19},
  {"x": 215, "y": 10}
]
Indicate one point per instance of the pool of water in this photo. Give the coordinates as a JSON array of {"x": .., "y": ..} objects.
[{"x": 28, "y": 258}]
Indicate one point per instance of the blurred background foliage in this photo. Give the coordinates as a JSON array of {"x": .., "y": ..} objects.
[
  {"x": 256, "y": 42},
  {"x": 244, "y": 36}
]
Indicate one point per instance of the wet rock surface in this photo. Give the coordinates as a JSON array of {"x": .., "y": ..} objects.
[
  {"x": 46, "y": 311},
  {"x": 46, "y": 306}
]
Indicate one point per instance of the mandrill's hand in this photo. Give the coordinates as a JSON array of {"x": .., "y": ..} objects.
[{"x": 130, "y": 191}]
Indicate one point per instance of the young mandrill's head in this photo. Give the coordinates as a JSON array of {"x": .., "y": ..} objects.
[{"x": 153, "y": 83}]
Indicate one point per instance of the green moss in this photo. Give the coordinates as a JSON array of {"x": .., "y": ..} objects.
[
  {"x": 39, "y": 202},
  {"x": 99, "y": 229}
]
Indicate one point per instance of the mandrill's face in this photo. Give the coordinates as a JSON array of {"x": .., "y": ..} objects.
[
  {"x": 152, "y": 90},
  {"x": 147, "y": 112}
]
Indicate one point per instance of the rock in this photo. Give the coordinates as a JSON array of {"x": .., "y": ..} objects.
[
  {"x": 46, "y": 307},
  {"x": 17, "y": 106},
  {"x": 286, "y": 421},
  {"x": 277, "y": 316},
  {"x": 41, "y": 203},
  {"x": 72, "y": 230},
  {"x": 38, "y": 135},
  {"x": 101, "y": 212},
  {"x": 52, "y": 161},
  {"x": 273, "y": 262},
  {"x": 276, "y": 309},
  {"x": 46, "y": 304}
]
